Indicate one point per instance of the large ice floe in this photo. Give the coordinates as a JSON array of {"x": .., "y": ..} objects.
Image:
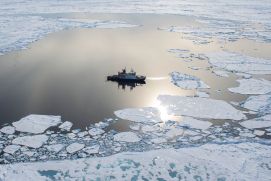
[
  {"x": 187, "y": 81},
  {"x": 36, "y": 123},
  {"x": 260, "y": 103},
  {"x": 244, "y": 161},
  {"x": 252, "y": 86},
  {"x": 35, "y": 141},
  {"x": 260, "y": 122},
  {"x": 200, "y": 107},
  {"x": 237, "y": 62}
]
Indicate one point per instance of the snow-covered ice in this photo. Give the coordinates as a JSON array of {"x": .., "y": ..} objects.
[
  {"x": 92, "y": 149},
  {"x": 202, "y": 94},
  {"x": 252, "y": 86},
  {"x": 126, "y": 137},
  {"x": 55, "y": 147},
  {"x": 66, "y": 126},
  {"x": 148, "y": 115},
  {"x": 74, "y": 147},
  {"x": 200, "y": 107},
  {"x": 260, "y": 103},
  {"x": 221, "y": 73},
  {"x": 8, "y": 130},
  {"x": 34, "y": 141},
  {"x": 36, "y": 123},
  {"x": 187, "y": 81},
  {"x": 95, "y": 131},
  {"x": 195, "y": 123},
  {"x": 258, "y": 132},
  {"x": 240, "y": 63},
  {"x": 11, "y": 149},
  {"x": 261, "y": 122},
  {"x": 243, "y": 161}
]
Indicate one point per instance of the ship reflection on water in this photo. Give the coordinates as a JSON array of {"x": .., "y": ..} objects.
[{"x": 129, "y": 85}]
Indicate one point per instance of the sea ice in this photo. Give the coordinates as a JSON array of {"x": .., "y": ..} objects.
[
  {"x": 202, "y": 94},
  {"x": 8, "y": 130},
  {"x": 221, "y": 73},
  {"x": 252, "y": 86},
  {"x": 147, "y": 115},
  {"x": 92, "y": 149},
  {"x": 258, "y": 132},
  {"x": 126, "y": 137},
  {"x": 74, "y": 147},
  {"x": 187, "y": 81},
  {"x": 241, "y": 161},
  {"x": 260, "y": 103},
  {"x": 66, "y": 126},
  {"x": 36, "y": 123},
  {"x": 200, "y": 107},
  {"x": 261, "y": 122},
  {"x": 236, "y": 62},
  {"x": 195, "y": 123},
  {"x": 11, "y": 149},
  {"x": 35, "y": 141},
  {"x": 95, "y": 131},
  {"x": 55, "y": 147}
]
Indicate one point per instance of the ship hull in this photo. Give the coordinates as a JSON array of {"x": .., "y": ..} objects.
[{"x": 139, "y": 79}]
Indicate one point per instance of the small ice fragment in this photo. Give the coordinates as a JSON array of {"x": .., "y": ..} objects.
[
  {"x": 135, "y": 127},
  {"x": 244, "y": 75},
  {"x": 126, "y": 137},
  {"x": 95, "y": 131},
  {"x": 260, "y": 103},
  {"x": 11, "y": 149},
  {"x": 8, "y": 130},
  {"x": 149, "y": 128},
  {"x": 158, "y": 140},
  {"x": 66, "y": 126},
  {"x": 36, "y": 123},
  {"x": 187, "y": 81},
  {"x": 35, "y": 141},
  {"x": 174, "y": 132},
  {"x": 252, "y": 86},
  {"x": 74, "y": 147}
]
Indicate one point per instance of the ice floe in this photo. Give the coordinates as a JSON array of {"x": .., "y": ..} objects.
[
  {"x": 221, "y": 73},
  {"x": 148, "y": 115},
  {"x": 74, "y": 147},
  {"x": 95, "y": 131},
  {"x": 195, "y": 123},
  {"x": 261, "y": 122},
  {"x": 66, "y": 126},
  {"x": 200, "y": 107},
  {"x": 236, "y": 62},
  {"x": 187, "y": 81},
  {"x": 8, "y": 130},
  {"x": 34, "y": 141},
  {"x": 11, "y": 149},
  {"x": 258, "y": 132},
  {"x": 36, "y": 123},
  {"x": 92, "y": 149},
  {"x": 252, "y": 86},
  {"x": 126, "y": 137},
  {"x": 242, "y": 161},
  {"x": 55, "y": 147},
  {"x": 202, "y": 94},
  {"x": 260, "y": 103}
]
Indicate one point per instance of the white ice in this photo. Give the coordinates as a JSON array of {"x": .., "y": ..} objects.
[
  {"x": 8, "y": 130},
  {"x": 261, "y": 122},
  {"x": 240, "y": 63},
  {"x": 221, "y": 73},
  {"x": 92, "y": 149},
  {"x": 74, "y": 147},
  {"x": 11, "y": 149},
  {"x": 260, "y": 103},
  {"x": 200, "y": 107},
  {"x": 252, "y": 86},
  {"x": 195, "y": 123},
  {"x": 95, "y": 131},
  {"x": 187, "y": 81},
  {"x": 126, "y": 137},
  {"x": 66, "y": 126},
  {"x": 243, "y": 161},
  {"x": 55, "y": 147},
  {"x": 36, "y": 123},
  {"x": 147, "y": 115},
  {"x": 35, "y": 141}
]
